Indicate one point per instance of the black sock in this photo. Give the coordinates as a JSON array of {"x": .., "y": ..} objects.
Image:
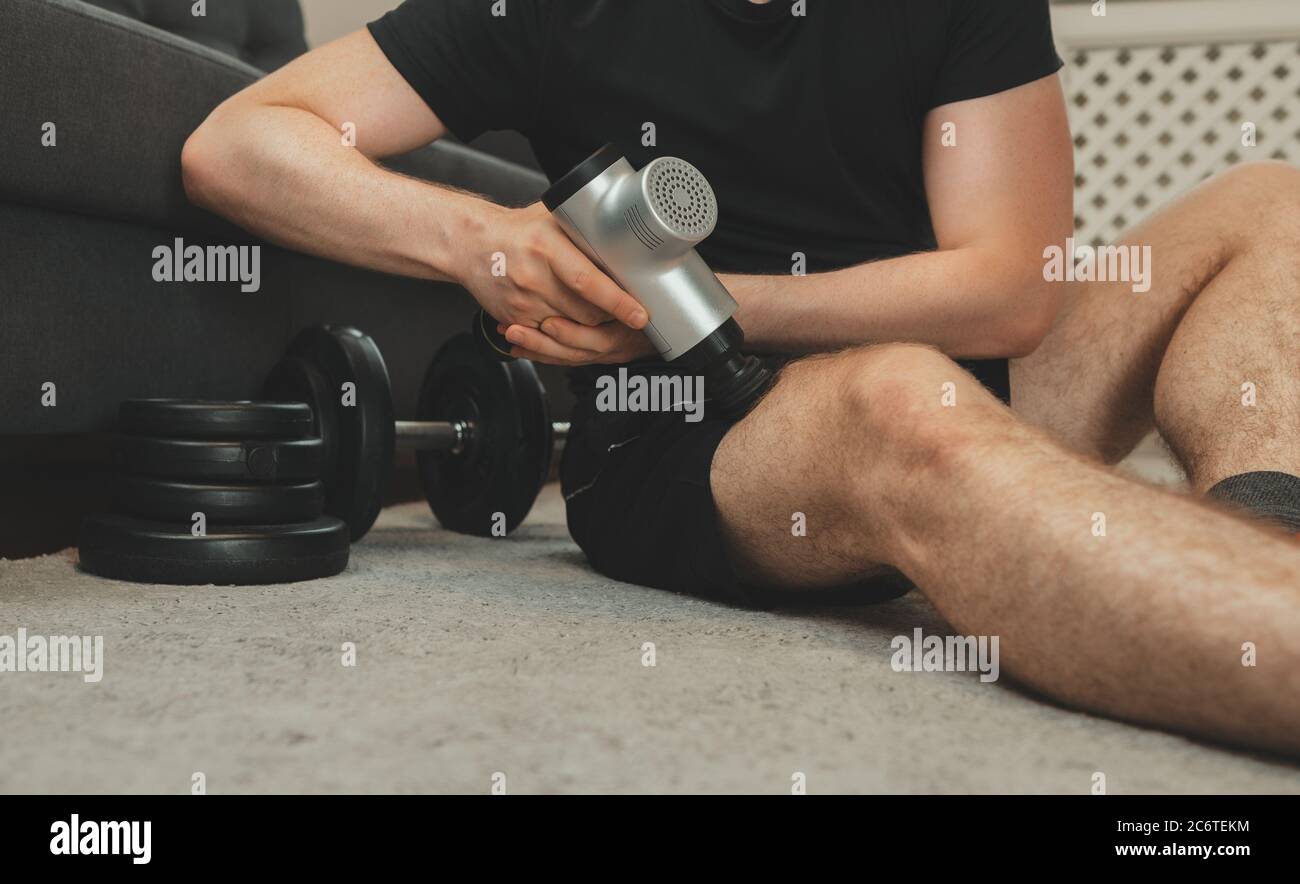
[{"x": 1269, "y": 495}]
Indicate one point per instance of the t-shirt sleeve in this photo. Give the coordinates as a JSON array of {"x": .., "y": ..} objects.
[
  {"x": 479, "y": 65},
  {"x": 993, "y": 46}
]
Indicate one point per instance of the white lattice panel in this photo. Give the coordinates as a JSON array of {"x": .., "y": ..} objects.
[{"x": 1151, "y": 122}]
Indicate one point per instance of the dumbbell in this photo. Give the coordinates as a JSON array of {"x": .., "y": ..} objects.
[{"x": 484, "y": 438}]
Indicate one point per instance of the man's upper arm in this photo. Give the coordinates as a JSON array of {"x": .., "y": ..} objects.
[
  {"x": 424, "y": 69},
  {"x": 999, "y": 171},
  {"x": 351, "y": 81},
  {"x": 480, "y": 66},
  {"x": 999, "y": 163}
]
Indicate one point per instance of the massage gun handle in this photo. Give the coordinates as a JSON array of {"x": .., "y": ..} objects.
[{"x": 492, "y": 341}]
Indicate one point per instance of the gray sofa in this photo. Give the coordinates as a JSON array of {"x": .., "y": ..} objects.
[
  {"x": 79, "y": 221},
  {"x": 264, "y": 33}
]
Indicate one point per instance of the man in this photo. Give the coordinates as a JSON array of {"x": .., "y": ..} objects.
[{"x": 915, "y": 156}]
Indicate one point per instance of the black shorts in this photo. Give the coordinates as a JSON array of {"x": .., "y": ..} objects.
[{"x": 640, "y": 504}]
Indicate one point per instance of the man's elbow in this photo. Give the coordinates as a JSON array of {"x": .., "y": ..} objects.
[
  {"x": 1029, "y": 316},
  {"x": 1019, "y": 308},
  {"x": 201, "y": 163}
]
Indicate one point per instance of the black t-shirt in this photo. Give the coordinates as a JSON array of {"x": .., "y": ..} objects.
[{"x": 808, "y": 127}]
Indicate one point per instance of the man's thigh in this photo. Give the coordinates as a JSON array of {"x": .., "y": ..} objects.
[{"x": 1091, "y": 382}]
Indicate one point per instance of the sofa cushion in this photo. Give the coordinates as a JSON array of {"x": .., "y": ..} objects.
[{"x": 264, "y": 33}]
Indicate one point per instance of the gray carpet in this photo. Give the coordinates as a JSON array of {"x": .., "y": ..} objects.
[{"x": 481, "y": 656}]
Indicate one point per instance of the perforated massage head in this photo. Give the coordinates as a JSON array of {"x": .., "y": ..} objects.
[{"x": 681, "y": 198}]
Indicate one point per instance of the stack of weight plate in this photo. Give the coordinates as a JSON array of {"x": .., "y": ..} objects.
[{"x": 215, "y": 492}]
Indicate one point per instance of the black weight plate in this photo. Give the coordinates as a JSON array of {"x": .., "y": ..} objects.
[
  {"x": 503, "y": 467},
  {"x": 195, "y": 419},
  {"x": 295, "y": 380},
  {"x": 535, "y": 410},
  {"x": 123, "y": 548},
  {"x": 364, "y": 459},
  {"x": 166, "y": 500},
  {"x": 226, "y": 461}
]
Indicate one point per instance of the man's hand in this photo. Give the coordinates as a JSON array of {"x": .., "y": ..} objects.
[
  {"x": 559, "y": 341},
  {"x": 551, "y": 301}
]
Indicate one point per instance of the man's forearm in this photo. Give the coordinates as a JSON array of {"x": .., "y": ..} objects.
[
  {"x": 286, "y": 175},
  {"x": 971, "y": 303}
]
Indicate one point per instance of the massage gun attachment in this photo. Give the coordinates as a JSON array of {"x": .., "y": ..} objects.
[{"x": 641, "y": 228}]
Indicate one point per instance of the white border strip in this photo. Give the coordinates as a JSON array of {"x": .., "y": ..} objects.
[{"x": 1174, "y": 22}]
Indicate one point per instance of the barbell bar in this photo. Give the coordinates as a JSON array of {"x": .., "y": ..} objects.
[{"x": 452, "y": 436}]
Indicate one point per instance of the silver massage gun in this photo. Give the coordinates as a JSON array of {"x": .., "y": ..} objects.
[{"x": 641, "y": 228}]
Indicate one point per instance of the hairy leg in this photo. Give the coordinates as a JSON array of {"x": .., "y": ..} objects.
[
  {"x": 996, "y": 523},
  {"x": 1223, "y": 312}
]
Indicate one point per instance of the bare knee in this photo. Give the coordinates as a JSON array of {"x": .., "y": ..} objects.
[
  {"x": 1263, "y": 176},
  {"x": 1251, "y": 208},
  {"x": 1264, "y": 194},
  {"x": 908, "y": 402}
]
